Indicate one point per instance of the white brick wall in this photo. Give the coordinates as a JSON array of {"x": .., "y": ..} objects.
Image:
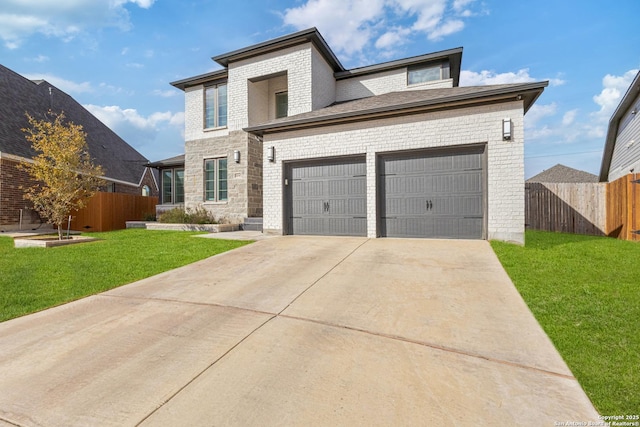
[
  {"x": 477, "y": 125},
  {"x": 323, "y": 82},
  {"x": 294, "y": 61},
  {"x": 380, "y": 83}
]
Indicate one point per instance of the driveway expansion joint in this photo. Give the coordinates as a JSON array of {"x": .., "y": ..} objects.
[{"x": 431, "y": 345}]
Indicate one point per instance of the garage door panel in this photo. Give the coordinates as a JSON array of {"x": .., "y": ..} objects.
[
  {"x": 327, "y": 198},
  {"x": 427, "y": 195}
]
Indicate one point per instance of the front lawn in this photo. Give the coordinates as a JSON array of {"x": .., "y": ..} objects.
[
  {"x": 32, "y": 279},
  {"x": 585, "y": 292}
]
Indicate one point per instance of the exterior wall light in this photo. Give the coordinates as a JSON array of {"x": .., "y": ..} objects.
[
  {"x": 506, "y": 129},
  {"x": 236, "y": 156},
  {"x": 271, "y": 154}
]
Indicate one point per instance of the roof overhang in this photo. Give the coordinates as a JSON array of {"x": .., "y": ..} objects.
[
  {"x": 311, "y": 35},
  {"x": 528, "y": 93},
  {"x": 454, "y": 56},
  {"x": 614, "y": 124},
  {"x": 210, "y": 77}
]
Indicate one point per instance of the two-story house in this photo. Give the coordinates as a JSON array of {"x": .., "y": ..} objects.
[{"x": 395, "y": 149}]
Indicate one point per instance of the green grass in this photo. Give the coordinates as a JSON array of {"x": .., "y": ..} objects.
[
  {"x": 585, "y": 292},
  {"x": 32, "y": 279}
]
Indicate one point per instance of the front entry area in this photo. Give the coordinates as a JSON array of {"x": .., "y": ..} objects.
[
  {"x": 434, "y": 193},
  {"x": 326, "y": 197}
]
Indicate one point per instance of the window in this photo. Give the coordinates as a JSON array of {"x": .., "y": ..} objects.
[
  {"x": 427, "y": 73},
  {"x": 215, "y": 180},
  {"x": 215, "y": 106},
  {"x": 146, "y": 191},
  {"x": 172, "y": 186},
  {"x": 282, "y": 104}
]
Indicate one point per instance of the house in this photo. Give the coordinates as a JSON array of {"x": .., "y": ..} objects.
[
  {"x": 622, "y": 146},
  {"x": 563, "y": 174},
  {"x": 124, "y": 167},
  {"x": 283, "y": 131}
]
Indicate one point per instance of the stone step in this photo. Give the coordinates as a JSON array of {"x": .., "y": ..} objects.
[{"x": 253, "y": 224}]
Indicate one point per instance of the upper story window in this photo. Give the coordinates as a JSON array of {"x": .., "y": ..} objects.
[
  {"x": 427, "y": 73},
  {"x": 282, "y": 104},
  {"x": 215, "y": 106}
]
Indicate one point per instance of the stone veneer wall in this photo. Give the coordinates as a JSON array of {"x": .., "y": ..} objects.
[
  {"x": 244, "y": 197},
  {"x": 473, "y": 125}
]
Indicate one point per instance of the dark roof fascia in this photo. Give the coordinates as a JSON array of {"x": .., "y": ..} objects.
[
  {"x": 614, "y": 123},
  {"x": 166, "y": 163},
  {"x": 453, "y": 55},
  {"x": 455, "y": 101},
  {"x": 201, "y": 79},
  {"x": 305, "y": 36}
]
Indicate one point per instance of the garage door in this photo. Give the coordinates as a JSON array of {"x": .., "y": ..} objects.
[
  {"x": 432, "y": 194},
  {"x": 327, "y": 197}
]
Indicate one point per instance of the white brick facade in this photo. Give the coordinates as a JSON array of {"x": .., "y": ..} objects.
[
  {"x": 380, "y": 83},
  {"x": 313, "y": 80},
  {"x": 476, "y": 125}
]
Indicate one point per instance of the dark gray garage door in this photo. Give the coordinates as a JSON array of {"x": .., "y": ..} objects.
[
  {"x": 327, "y": 197},
  {"x": 432, "y": 194}
]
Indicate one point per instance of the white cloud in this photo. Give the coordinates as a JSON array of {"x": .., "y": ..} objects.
[
  {"x": 135, "y": 128},
  {"x": 614, "y": 87},
  {"x": 471, "y": 78},
  {"x": 569, "y": 117},
  {"x": 20, "y": 19},
  {"x": 65, "y": 85},
  {"x": 347, "y": 24},
  {"x": 169, "y": 93},
  {"x": 352, "y": 25},
  {"x": 537, "y": 112}
]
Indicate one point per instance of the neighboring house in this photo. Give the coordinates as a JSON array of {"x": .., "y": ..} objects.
[
  {"x": 124, "y": 167},
  {"x": 563, "y": 174},
  {"x": 622, "y": 146},
  {"x": 396, "y": 149},
  {"x": 171, "y": 173}
]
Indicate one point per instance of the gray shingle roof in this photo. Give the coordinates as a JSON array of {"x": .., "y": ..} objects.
[
  {"x": 19, "y": 95},
  {"x": 404, "y": 101},
  {"x": 562, "y": 173},
  {"x": 171, "y": 161}
]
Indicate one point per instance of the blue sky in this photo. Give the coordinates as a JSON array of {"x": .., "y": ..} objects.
[{"x": 117, "y": 57}]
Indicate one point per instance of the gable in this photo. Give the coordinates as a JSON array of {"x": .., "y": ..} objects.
[{"x": 19, "y": 95}]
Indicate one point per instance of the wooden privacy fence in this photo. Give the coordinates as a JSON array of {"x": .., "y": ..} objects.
[
  {"x": 623, "y": 208},
  {"x": 111, "y": 211},
  {"x": 566, "y": 207},
  {"x": 611, "y": 209}
]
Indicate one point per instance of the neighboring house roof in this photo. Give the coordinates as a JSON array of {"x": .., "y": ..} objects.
[
  {"x": 19, "y": 95},
  {"x": 167, "y": 163},
  {"x": 405, "y": 102},
  {"x": 614, "y": 124},
  {"x": 562, "y": 173}
]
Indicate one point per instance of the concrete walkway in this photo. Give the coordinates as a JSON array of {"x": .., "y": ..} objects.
[{"x": 295, "y": 331}]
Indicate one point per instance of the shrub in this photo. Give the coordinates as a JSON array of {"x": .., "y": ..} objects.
[
  {"x": 198, "y": 215},
  {"x": 149, "y": 216}
]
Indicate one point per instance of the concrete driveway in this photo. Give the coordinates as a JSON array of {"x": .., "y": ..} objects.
[{"x": 295, "y": 331}]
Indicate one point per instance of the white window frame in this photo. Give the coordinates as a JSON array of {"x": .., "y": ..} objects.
[
  {"x": 217, "y": 189},
  {"x": 217, "y": 122}
]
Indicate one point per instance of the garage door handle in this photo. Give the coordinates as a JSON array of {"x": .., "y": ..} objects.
[
  {"x": 325, "y": 207},
  {"x": 429, "y": 205}
]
